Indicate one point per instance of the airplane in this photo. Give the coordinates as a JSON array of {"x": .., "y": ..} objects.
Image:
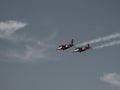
[
  {"x": 65, "y": 46},
  {"x": 81, "y": 49}
]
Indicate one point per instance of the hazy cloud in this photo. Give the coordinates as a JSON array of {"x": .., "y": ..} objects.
[
  {"x": 111, "y": 78},
  {"x": 25, "y": 48},
  {"x": 28, "y": 54},
  {"x": 33, "y": 49},
  {"x": 7, "y": 28}
]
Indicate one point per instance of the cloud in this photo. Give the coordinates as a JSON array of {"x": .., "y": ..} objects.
[
  {"x": 7, "y": 28},
  {"x": 111, "y": 78},
  {"x": 25, "y": 48},
  {"x": 33, "y": 49},
  {"x": 28, "y": 54}
]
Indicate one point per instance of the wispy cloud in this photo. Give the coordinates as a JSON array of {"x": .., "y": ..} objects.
[
  {"x": 28, "y": 54},
  {"x": 7, "y": 28},
  {"x": 111, "y": 78},
  {"x": 33, "y": 49},
  {"x": 29, "y": 48}
]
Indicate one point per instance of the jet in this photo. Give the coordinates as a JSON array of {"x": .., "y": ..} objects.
[
  {"x": 65, "y": 46},
  {"x": 81, "y": 49}
]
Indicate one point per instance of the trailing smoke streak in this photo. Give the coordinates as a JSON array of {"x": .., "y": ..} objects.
[
  {"x": 101, "y": 39},
  {"x": 108, "y": 44}
]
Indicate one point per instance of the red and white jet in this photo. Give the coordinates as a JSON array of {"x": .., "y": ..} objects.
[{"x": 65, "y": 46}]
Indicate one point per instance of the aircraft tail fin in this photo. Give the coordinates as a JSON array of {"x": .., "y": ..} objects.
[
  {"x": 88, "y": 45},
  {"x": 72, "y": 42}
]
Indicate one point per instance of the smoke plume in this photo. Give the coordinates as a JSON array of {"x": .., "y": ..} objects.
[
  {"x": 108, "y": 44},
  {"x": 101, "y": 39}
]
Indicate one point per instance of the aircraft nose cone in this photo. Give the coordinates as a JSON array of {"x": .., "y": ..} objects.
[
  {"x": 59, "y": 48},
  {"x": 75, "y": 50}
]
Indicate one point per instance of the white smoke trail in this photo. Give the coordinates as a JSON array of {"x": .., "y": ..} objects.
[
  {"x": 101, "y": 39},
  {"x": 108, "y": 44}
]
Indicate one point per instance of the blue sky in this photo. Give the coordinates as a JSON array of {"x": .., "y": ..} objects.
[{"x": 31, "y": 30}]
